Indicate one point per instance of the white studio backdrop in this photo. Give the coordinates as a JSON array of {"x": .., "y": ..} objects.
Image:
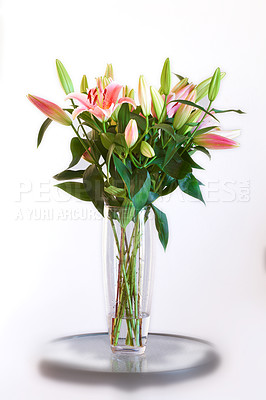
[{"x": 211, "y": 282}]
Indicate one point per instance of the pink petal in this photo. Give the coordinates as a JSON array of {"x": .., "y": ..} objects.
[
  {"x": 81, "y": 97},
  {"x": 127, "y": 100},
  {"x": 98, "y": 113},
  {"x": 78, "y": 111},
  {"x": 111, "y": 94}
]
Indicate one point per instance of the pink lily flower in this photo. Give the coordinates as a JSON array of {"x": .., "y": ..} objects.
[
  {"x": 215, "y": 141},
  {"x": 100, "y": 102},
  {"x": 51, "y": 110}
]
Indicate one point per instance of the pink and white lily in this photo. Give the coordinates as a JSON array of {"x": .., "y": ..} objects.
[
  {"x": 101, "y": 101},
  {"x": 217, "y": 139},
  {"x": 51, "y": 110}
]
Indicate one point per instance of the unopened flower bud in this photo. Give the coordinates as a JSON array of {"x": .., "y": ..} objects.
[
  {"x": 51, "y": 110},
  {"x": 64, "y": 78},
  {"x": 157, "y": 102},
  {"x": 131, "y": 133},
  {"x": 166, "y": 77},
  {"x": 184, "y": 111},
  {"x": 214, "y": 85},
  {"x": 109, "y": 73},
  {"x": 84, "y": 84},
  {"x": 144, "y": 96},
  {"x": 147, "y": 150},
  {"x": 214, "y": 142},
  {"x": 203, "y": 87},
  {"x": 87, "y": 155},
  {"x": 180, "y": 85},
  {"x": 131, "y": 94},
  {"x": 193, "y": 118}
]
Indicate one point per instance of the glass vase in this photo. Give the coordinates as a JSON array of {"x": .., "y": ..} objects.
[{"x": 128, "y": 277}]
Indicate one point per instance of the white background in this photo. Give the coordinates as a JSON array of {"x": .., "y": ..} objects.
[{"x": 211, "y": 282}]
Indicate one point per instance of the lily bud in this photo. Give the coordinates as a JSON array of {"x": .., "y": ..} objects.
[
  {"x": 64, "y": 78},
  {"x": 193, "y": 118},
  {"x": 157, "y": 102},
  {"x": 131, "y": 94},
  {"x": 180, "y": 85},
  {"x": 166, "y": 77},
  {"x": 183, "y": 112},
  {"x": 214, "y": 85},
  {"x": 144, "y": 96},
  {"x": 87, "y": 155},
  {"x": 109, "y": 73},
  {"x": 203, "y": 87},
  {"x": 125, "y": 91},
  {"x": 51, "y": 110},
  {"x": 84, "y": 84},
  {"x": 131, "y": 133},
  {"x": 147, "y": 150},
  {"x": 214, "y": 142}
]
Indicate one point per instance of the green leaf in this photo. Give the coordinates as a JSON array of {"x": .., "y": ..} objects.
[
  {"x": 64, "y": 78},
  {"x": 121, "y": 147},
  {"x": 42, "y": 130},
  {"x": 226, "y": 111},
  {"x": 170, "y": 152},
  {"x": 204, "y": 130},
  {"x": 77, "y": 150},
  {"x": 94, "y": 185},
  {"x": 123, "y": 171},
  {"x": 203, "y": 150},
  {"x": 152, "y": 197},
  {"x": 76, "y": 189},
  {"x": 140, "y": 184},
  {"x": 107, "y": 139},
  {"x": 141, "y": 122},
  {"x": 123, "y": 117},
  {"x": 69, "y": 174},
  {"x": 127, "y": 213},
  {"x": 191, "y": 186},
  {"x": 86, "y": 116},
  {"x": 161, "y": 226},
  {"x": 190, "y": 103},
  {"x": 190, "y": 160},
  {"x": 115, "y": 191},
  {"x": 169, "y": 188},
  {"x": 177, "y": 168},
  {"x": 165, "y": 127}
]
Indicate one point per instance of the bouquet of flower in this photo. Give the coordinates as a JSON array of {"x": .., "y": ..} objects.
[{"x": 136, "y": 152}]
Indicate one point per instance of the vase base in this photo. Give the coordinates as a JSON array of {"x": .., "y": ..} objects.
[{"x": 128, "y": 350}]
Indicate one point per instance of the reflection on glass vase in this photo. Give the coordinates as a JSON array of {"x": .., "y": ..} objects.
[{"x": 128, "y": 277}]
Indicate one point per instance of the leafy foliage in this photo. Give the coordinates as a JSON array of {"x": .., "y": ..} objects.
[{"x": 131, "y": 164}]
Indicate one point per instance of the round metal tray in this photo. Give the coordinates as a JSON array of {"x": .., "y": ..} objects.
[{"x": 164, "y": 353}]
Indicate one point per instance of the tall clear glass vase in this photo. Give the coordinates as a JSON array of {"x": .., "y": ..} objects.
[{"x": 128, "y": 277}]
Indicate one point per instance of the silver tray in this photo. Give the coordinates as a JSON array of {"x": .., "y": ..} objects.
[{"x": 91, "y": 353}]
